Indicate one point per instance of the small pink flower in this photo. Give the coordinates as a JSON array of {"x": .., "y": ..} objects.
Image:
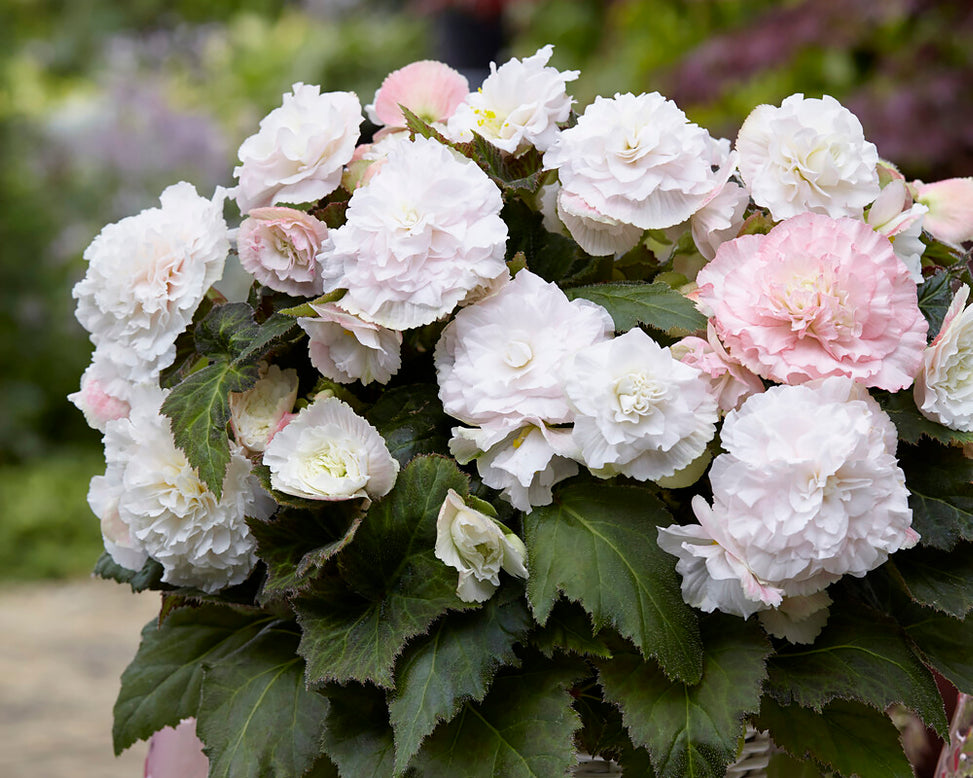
[
  {"x": 816, "y": 297},
  {"x": 431, "y": 90},
  {"x": 730, "y": 382},
  {"x": 176, "y": 753},
  {"x": 278, "y": 245},
  {"x": 950, "y": 204}
]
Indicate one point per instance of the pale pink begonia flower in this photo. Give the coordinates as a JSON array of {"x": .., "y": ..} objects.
[
  {"x": 730, "y": 383},
  {"x": 816, "y": 297},
  {"x": 422, "y": 237},
  {"x": 329, "y": 452},
  {"x": 523, "y": 460},
  {"x": 639, "y": 411},
  {"x": 256, "y": 414},
  {"x": 300, "y": 150},
  {"x": 636, "y": 159},
  {"x": 519, "y": 105},
  {"x": 278, "y": 246},
  {"x": 176, "y": 752},
  {"x": 201, "y": 541},
  {"x": 147, "y": 275},
  {"x": 478, "y": 546},
  {"x": 950, "y": 204},
  {"x": 498, "y": 361},
  {"x": 894, "y": 216},
  {"x": 345, "y": 348},
  {"x": 808, "y": 491},
  {"x": 807, "y": 155},
  {"x": 431, "y": 90},
  {"x": 944, "y": 387},
  {"x": 104, "y": 394}
]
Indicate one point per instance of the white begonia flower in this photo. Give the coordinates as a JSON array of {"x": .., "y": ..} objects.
[
  {"x": 256, "y": 414},
  {"x": 808, "y": 154},
  {"x": 889, "y": 216},
  {"x": 797, "y": 619},
  {"x": 328, "y": 452},
  {"x": 720, "y": 218},
  {"x": 638, "y": 411},
  {"x": 147, "y": 275},
  {"x": 637, "y": 160},
  {"x": 944, "y": 386},
  {"x": 808, "y": 491},
  {"x": 421, "y": 237},
  {"x": 523, "y": 462},
  {"x": 478, "y": 546},
  {"x": 597, "y": 234},
  {"x": 279, "y": 246},
  {"x": 150, "y": 488},
  {"x": 518, "y": 106},
  {"x": 299, "y": 153},
  {"x": 345, "y": 348},
  {"x": 498, "y": 361}
]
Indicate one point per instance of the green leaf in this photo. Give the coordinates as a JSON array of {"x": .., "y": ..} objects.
[
  {"x": 941, "y": 580},
  {"x": 455, "y": 662},
  {"x": 945, "y": 644},
  {"x": 568, "y": 628},
  {"x": 656, "y": 305},
  {"x": 783, "y": 765},
  {"x": 295, "y": 545},
  {"x": 412, "y": 421},
  {"x": 198, "y": 406},
  {"x": 857, "y": 657},
  {"x": 148, "y": 577},
  {"x": 934, "y": 299},
  {"x": 357, "y": 735},
  {"x": 524, "y": 728},
  {"x": 941, "y": 495},
  {"x": 161, "y": 686},
  {"x": 597, "y": 544},
  {"x": 259, "y": 692},
  {"x": 392, "y": 586},
  {"x": 692, "y": 730},
  {"x": 602, "y": 731},
  {"x": 847, "y": 736},
  {"x": 912, "y": 425}
]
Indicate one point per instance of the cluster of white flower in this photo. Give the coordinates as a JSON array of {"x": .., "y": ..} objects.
[{"x": 823, "y": 303}]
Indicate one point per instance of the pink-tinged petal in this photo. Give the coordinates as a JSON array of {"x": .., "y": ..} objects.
[
  {"x": 431, "y": 90},
  {"x": 176, "y": 753},
  {"x": 950, "y": 204}
]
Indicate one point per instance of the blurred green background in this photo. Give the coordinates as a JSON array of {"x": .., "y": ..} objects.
[{"x": 104, "y": 104}]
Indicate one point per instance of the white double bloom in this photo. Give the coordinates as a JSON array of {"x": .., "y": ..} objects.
[{"x": 944, "y": 387}]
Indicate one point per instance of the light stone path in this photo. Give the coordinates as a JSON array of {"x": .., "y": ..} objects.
[{"x": 63, "y": 647}]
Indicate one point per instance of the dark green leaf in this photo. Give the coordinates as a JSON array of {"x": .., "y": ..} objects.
[
  {"x": 161, "y": 686},
  {"x": 783, "y": 765},
  {"x": 149, "y": 577},
  {"x": 568, "y": 628},
  {"x": 941, "y": 580},
  {"x": 912, "y": 425},
  {"x": 934, "y": 299},
  {"x": 392, "y": 586},
  {"x": 847, "y": 736},
  {"x": 597, "y": 544},
  {"x": 412, "y": 421},
  {"x": 296, "y": 545},
  {"x": 199, "y": 408},
  {"x": 941, "y": 495},
  {"x": 945, "y": 644},
  {"x": 524, "y": 728},
  {"x": 857, "y": 657},
  {"x": 455, "y": 662},
  {"x": 522, "y": 174},
  {"x": 199, "y": 405},
  {"x": 602, "y": 732},
  {"x": 656, "y": 305},
  {"x": 357, "y": 735},
  {"x": 692, "y": 730},
  {"x": 256, "y": 716}
]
